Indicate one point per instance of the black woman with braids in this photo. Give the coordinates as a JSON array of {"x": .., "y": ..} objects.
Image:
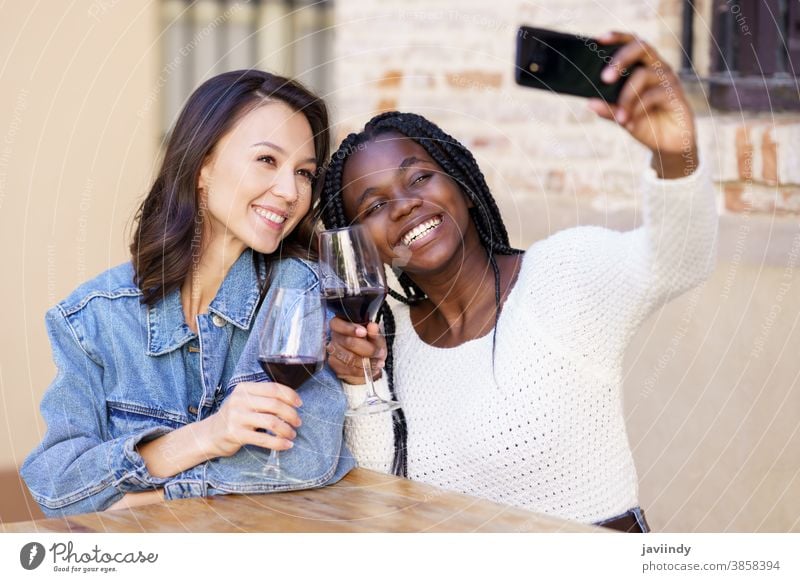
[{"x": 508, "y": 364}]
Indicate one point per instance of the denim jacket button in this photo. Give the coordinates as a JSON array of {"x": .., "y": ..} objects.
[
  {"x": 192, "y": 410},
  {"x": 218, "y": 321}
]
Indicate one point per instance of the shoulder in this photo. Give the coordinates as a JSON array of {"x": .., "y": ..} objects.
[
  {"x": 108, "y": 302},
  {"x": 113, "y": 284},
  {"x": 570, "y": 264},
  {"x": 294, "y": 272},
  {"x": 571, "y": 247},
  {"x": 570, "y": 239}
]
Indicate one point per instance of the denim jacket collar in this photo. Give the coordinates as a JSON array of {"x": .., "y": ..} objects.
[{"x": 235, "y": 302}]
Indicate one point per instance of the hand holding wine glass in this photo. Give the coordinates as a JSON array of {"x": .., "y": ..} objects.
[
  {"x": 249, "y": 410},
  {"x": 354, "y": 288},
  {"x": 350, "y": 342},
  {"x": 291, "y": 348}
]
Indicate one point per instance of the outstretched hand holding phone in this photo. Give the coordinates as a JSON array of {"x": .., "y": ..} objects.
[
  {"x": 625, "y": 80},
  {"x": 651, "y": 106}
]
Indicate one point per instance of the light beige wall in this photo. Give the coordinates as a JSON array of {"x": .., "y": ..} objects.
[
  {"x": 712, "y": 391},
  {"x": 77, "y": 144}
]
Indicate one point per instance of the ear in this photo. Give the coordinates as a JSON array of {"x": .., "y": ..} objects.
[{"x": 206, "y": 171}]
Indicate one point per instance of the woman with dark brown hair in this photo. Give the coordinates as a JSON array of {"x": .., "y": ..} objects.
[{"x": 158, "y": 392}]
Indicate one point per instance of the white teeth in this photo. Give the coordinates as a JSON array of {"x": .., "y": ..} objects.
[
  {"x": 421, "y": 230},
  {"x": 271, "y": 216}
]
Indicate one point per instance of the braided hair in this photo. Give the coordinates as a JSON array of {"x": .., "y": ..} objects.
[{"x": 457, "y": 162}]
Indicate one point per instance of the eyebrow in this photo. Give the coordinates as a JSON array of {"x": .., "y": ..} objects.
[
  {"x": 280, "y": 150},
  {"x": 409, "y": 161}
]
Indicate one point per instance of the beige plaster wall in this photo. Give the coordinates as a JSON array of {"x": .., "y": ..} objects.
[
  {"x": 77, "y": 142},
  {"x": 712, "y": 396}
]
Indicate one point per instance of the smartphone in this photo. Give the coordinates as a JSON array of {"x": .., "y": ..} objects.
[{"x": 566, "y": 63}]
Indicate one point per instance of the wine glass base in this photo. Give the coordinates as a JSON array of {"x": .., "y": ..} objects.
[
  {"x": 373, "y": 406},
  {"x": 274, "y": 474}
]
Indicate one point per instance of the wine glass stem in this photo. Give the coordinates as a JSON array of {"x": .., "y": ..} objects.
[
  {"x": 371, "y": 394},
  {"x": 274, "y": 462}
]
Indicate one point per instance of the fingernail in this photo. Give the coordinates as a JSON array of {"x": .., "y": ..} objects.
[
  {"x": 608, "y": 75},
  {"x": 291, "y": 444},
  {"x": 620, "y": 116},
  {"x": 298, "y": 402},
  {"x": 381, "y": 364}
]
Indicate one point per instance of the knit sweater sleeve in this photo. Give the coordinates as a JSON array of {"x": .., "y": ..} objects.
[
  {"x": 594, "y": 286},
  {"x": 370, "y": 438}
]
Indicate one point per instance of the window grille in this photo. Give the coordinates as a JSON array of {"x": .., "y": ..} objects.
[
  {"x": 202, "y": 38},
  {"x": 755, "y": 54}
]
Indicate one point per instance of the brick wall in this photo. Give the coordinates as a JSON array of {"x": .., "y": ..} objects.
[
  {"x": 758, "y": 167},
  {"x": 550, "y": 162}
]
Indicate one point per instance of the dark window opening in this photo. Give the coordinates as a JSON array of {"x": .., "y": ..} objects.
[{"x": 755, "y": 54}]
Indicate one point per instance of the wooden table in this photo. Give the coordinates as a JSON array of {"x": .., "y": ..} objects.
[{"x": 364, "y": 501}]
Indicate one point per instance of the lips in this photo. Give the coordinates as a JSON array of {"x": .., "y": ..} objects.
[
  {"x": 271, "y": 216},
  {"x": 420, "y": 230}
]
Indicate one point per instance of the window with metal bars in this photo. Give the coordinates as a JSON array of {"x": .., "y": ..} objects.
[
  {"x": 754, "y": 61},
  {"x": 202, "y": 38}
]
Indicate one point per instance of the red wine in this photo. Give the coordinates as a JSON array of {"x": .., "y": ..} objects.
[
  {"x": 290, "y": 370},
  {"x": 356, "y": 308}
]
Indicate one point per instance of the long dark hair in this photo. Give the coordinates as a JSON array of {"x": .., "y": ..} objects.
[
  {"x": 457, "y": 162},
  {"x": 165, "y": 222}
]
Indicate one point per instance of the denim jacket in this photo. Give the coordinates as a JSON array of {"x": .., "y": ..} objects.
[{"x": 128, "y": 373}]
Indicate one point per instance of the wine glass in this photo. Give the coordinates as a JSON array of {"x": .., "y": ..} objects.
[
  {"x": 354, "y": 287},
  {"x": 291, "y": 349}
]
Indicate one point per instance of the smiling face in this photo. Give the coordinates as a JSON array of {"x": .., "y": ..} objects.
[
  {"x": 416, "y": 214},
  {"x": 256, "y": 184}
]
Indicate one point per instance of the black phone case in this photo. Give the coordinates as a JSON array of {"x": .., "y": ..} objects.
[{"x": 565, "y": 63}]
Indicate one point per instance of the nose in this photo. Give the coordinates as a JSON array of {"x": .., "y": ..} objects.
[
  {"x": 403, "y": 205},
  {"x": 285, "y": 184}
]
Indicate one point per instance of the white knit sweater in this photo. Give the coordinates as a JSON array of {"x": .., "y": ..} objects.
[{"x": 543, "y": 428}]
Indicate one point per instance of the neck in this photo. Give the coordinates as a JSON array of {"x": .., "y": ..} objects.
[
  {"x": 462, "y": 290},
  {"x": 208, "y": 270}
]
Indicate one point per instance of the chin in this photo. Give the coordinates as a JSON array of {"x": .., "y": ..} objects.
[
  {"x": 265, "y": 247},
  {"x": 433, "y": 258}
]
